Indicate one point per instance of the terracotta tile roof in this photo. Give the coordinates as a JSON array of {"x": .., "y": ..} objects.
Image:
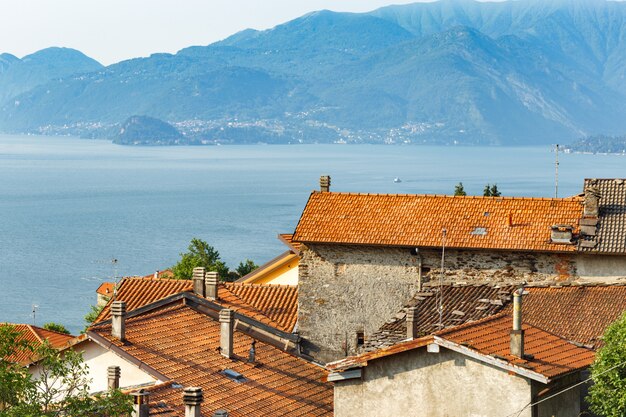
[
  {"x": 549, "y": 355},
  {"x": 287, "y": 239},
  {"x": 182, "y": 344},
  {"x": 461, "y": 304},
  {"x": 418, "y": 220},
  {"x": 36, "y": 336},
  {"x": 611, "y": 228},
  {"x": 274, "y": 305},
  {"x": 106, "y": 289},
  {"x": 137, "y": 292},
  {"x": 577, "y": 313},
  {"x": 552, "y": 356},
  {"x": 277, "y": 302}
]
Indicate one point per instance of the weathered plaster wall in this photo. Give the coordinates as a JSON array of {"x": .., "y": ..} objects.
[
  {"x": 566, "y": 404},
  {"x": 601, "y": 268},
  {"x": 445, "y": 384}
]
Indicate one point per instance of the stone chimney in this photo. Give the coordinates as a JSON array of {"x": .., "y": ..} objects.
[
  {"x": 141, "y": 406},
  {"x": 211, "y": 280},
  {"x": 220, "y": 413},
  {"x": 517, "y": 334},
  {"x": 118, "y": 318},
  {"x": 592, "y": 202},
  {"x": 325, "y": 183},
  {"x": 192, "y": 399},
  {"x": 411, "y": 323},
  {"x": 113, "y": 377},
  {"x": 562, "y": 233},
  {"x": 226, "y": 332},
  {"x": 198, "y": 281}
]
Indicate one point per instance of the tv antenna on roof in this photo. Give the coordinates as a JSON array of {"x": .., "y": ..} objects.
[
  {"x": 35, "y": 307},
  {"x": 113, "y": 261},
  {"x": 556, "y": 172},
  {"x": 443, "y": 256}
]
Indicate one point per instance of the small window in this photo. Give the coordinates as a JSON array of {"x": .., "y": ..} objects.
[{"x": 360, "y": 339}]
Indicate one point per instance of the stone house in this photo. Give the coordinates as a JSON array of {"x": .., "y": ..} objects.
[{"x": 363, "y": 255}]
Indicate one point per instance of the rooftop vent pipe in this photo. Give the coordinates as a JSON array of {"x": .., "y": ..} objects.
[{"x": 517, "y": 334}]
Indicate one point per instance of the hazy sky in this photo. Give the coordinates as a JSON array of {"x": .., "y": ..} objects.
[{"x": 113, "y": 30}]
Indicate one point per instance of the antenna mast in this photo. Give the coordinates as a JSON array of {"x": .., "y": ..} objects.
[
  {"x": 443, "y": 255},
  {"x": 35, "y": 307},
  {"x": 556, "y": 172}
]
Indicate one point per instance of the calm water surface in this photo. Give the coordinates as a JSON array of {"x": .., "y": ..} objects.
[{"x": 69, "y": 206}]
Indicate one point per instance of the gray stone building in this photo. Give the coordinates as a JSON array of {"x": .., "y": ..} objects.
[{"x": 364, "y": 255}]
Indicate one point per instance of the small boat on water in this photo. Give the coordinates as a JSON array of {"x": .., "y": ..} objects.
[{"x": 397, "y": 180}]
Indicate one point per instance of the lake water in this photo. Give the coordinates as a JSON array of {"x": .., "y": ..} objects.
[{"x": 69, "y": 206}]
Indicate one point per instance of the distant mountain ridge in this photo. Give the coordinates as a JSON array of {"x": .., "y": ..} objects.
[{"x": 504, "y": 73}]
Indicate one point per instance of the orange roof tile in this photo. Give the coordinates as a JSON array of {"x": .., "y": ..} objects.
[
  {"x": 287, "y": 239},
  {"x": 137, "y": 292},
  {"x": 552, "y": 356},
  {"x": 36, "y": 336},
  {"x": 277, "y": 302},
  {"x": 182, "y": 344},
  {"x": 576, "y": 313},
  {"x": 106, "y": 289},
  {"x": 274, "y": 305},
  {"x": 418, "y": 220}
]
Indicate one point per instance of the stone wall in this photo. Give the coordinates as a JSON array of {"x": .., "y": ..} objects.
[{"x": 346, "y": 290}]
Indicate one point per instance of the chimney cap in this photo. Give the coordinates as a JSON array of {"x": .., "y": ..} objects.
[
  {"x": 325, "y": 183},
  {"x": 226, "y": 315},
  {"x": 193, "y": 396},
  {"x": 220, "y": 413},
  {"x": 118, "y": 308}
]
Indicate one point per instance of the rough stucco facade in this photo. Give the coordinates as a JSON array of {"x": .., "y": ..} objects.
[
  {"x": 412, "y": 383},
  {"x": 346, "y": 290}
]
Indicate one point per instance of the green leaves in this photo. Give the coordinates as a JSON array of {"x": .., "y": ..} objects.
[
  {"x": 200, "y": 254},
  {"x": 607, "y": 396}
]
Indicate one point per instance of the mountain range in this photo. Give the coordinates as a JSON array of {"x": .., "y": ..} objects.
[{"x": 464, "y": 72}]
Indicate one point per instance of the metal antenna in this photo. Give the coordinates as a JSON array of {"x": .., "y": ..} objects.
[
  {"x": 556, "y": 172},
  {"x": 35, "y": 307},
  {"x": 443, "y": 255}
]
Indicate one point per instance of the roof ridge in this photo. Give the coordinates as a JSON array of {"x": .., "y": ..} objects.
[{"x": 459, "y": 197}]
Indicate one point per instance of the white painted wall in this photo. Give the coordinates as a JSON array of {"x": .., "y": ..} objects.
[
  {"x": 289, "y": 277},
  {"x": 445, "y": 384}
]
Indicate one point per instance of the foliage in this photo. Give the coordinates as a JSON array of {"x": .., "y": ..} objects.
[
  {"x": 246, "y": 267},
  {"x": 56, "y": 327},
  {"x": 459, "y": 190},
  {"x": 60, "y": 387},
  {"x": 200, "y": 254},
  {"x": 607, "y": 396},
  {"x": 94, "y": 312},
  {"x": 491, "y": 191}
]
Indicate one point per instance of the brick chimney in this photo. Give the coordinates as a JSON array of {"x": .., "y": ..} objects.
[
  {"x": 517, "y": 334},
  {"x": 226, "y": 332},
  {"x": 411, "y": 323},
  {"x": 118, "y": 318},
  {"x": 192, "y": 399},
  {"x": 325, "y": 183},
  {"x": 211, "y": 280},
  {"x": 592, "y": 202},
  {"x": 141, "y": 405},
  {"x": 198, "y": 281},
  {"x": 113, "y": 377}
]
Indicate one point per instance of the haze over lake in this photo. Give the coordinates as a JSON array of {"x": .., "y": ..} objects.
[{"x": 69, "y": 206}]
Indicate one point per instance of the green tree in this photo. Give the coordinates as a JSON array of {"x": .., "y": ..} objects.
[
  {"x": 56, "y": 327},
  {"x": 459, "y": 190},
  {"x": 60, "y": 389},
  {"x": 92, "y": 315},
  {"x": 246, "y": 267},
  {"x": 494, "y": 191},
  {"x": 200, "y": 254},
  {"x": 487, "y": 191},
  {"x": 607, "y": 395}
]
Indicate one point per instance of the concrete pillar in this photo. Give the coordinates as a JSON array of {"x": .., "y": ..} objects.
[
  {"x": 211, "y": 280},
  {"x": 113, "y": 377},
  {"x": 411, "y": 323},
  {"x": 325, "y": 183},
  {"x": 192, "y": 399},
  {"x": 141, "y": 405},
  {"x": 198, "y": 281},
  {"x": 226, "y": 332},
  {"x": 118, "y": 319}
]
